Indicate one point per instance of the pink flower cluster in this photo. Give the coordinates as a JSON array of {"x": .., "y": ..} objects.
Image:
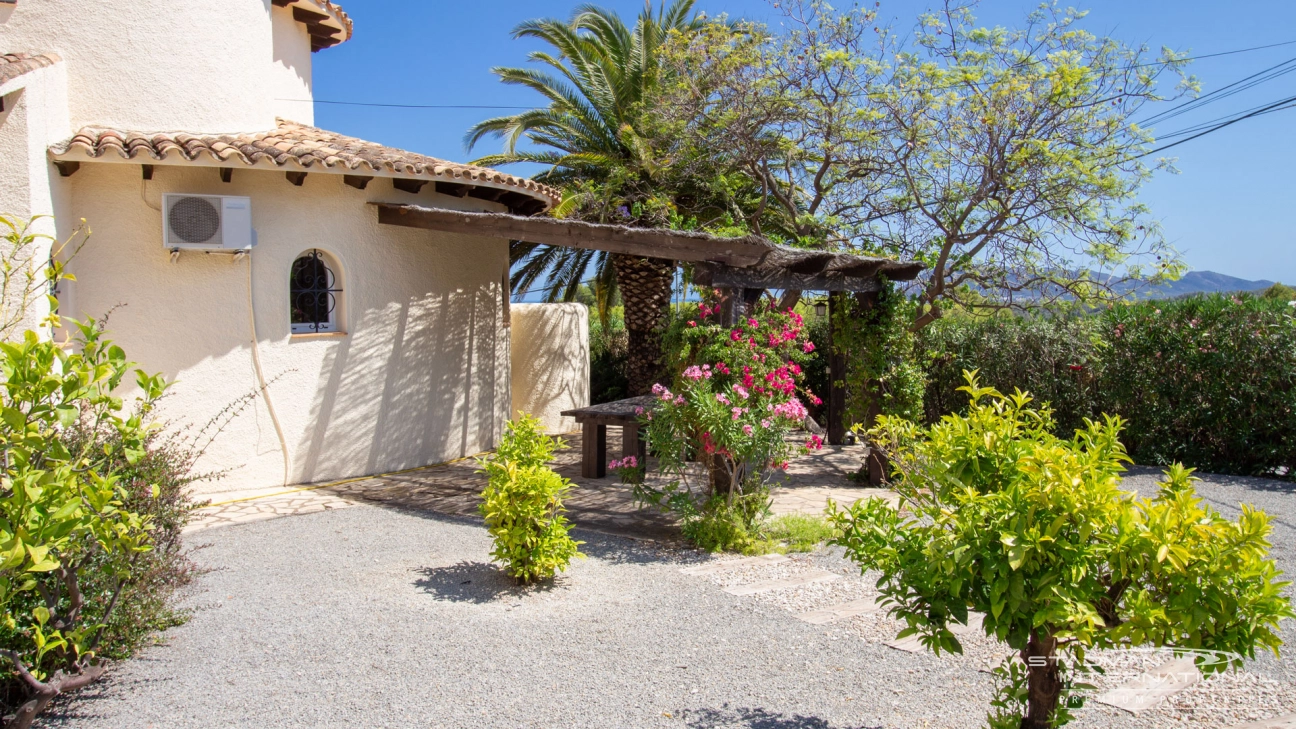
[
  {"x": 791, "y": 409},
  {"x": 697, "y": 373},
  {"x": 781, "y": 380},
  {"x": 627, "y": 462},
  {"x": 665, "y": 395},
  {"x": 814, "y": 444}
]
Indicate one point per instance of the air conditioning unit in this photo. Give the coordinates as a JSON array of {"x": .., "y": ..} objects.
[{"x": 207, "y": 223}]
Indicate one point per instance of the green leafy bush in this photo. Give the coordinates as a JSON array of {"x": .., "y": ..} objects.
[
  {"x": 1002, "y": 517},
  {"x": 1206, "y": 380},
  {"x": 522, "y": 504},
  {"x": 1058, "y": 359},
  {"x": 1209, "y": 381},
  {"x": 70, "y": 545}
]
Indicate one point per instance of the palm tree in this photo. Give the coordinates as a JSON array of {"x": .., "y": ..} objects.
[{"x": 597, "y": 78}]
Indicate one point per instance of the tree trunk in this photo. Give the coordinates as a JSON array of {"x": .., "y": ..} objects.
[
  {"x": 1043, "y": 681},
  {"x": 645, "y": 285}
]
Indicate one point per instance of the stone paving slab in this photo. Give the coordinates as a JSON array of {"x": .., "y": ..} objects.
[
  {"x": 864, "y": 606},
  {"x": 913, "y": 643},
  {"x": 275, "y": 503},
  {"x": 1278, "y": 722},
  {"x": 712, "y": 568},
  {"x": 1152, "y": 687},
  {"x": 808, "y": 578},
  {"x": 604, "y": 505}
]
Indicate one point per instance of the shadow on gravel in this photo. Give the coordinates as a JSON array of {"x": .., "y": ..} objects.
[
  {"x": 760, "y": 719},
  {"x": 477, "y": 582}
]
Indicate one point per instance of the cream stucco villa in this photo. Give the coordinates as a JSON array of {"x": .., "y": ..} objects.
[{"x": 236, "y": 246}]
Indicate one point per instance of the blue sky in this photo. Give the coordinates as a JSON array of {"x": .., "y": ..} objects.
[{"x": 1228, "y": 210}]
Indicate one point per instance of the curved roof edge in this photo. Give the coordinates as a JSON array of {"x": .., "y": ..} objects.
[
  {"x": 297, "y": 147},
  {"x": 325, "y": 21}
]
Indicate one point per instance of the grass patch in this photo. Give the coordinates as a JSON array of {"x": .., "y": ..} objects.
[{"x": 796, "y": 533}]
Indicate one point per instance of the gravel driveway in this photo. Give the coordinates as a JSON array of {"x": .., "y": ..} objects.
[{"x": 376, "y": 617}]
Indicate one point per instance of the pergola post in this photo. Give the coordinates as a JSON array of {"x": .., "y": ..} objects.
[{"x": 836, "y": 374}]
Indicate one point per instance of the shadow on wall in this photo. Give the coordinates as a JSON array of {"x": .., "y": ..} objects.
[
  {"x": 550, "y": 362},
  {"x": 381, "y": 380}
]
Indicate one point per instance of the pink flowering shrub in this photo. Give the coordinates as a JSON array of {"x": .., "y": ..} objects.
[
  {"x": 735, "y": 401},
  {"x": 628, "y": 469}
]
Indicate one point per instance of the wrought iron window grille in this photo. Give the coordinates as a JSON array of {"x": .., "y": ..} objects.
[{"x": 314, "y": 293}]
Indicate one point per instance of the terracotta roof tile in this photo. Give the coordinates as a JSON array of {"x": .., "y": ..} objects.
[
  {"x": 298, "y": 146},
  {"x": 13, "y": 65}
]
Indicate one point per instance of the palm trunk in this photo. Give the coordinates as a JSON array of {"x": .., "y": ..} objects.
[{"x": 645, "y": 285}]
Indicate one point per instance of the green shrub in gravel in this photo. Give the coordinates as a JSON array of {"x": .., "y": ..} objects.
[
  {"x": 1002, "y": 517},
  {"x": 70, "y": 543},
  {"x": 522, "y": 504}
]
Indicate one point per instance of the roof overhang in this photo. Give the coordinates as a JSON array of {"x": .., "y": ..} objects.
[{"x": 326, "y": 23}]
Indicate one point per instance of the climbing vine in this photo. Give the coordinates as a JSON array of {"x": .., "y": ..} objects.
[{"x": 883, "y": 376}]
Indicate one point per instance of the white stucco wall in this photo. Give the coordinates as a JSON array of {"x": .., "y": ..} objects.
[
  {"x": 166, "y": 65},
  {"x": 35, "y": 116},
  {"x": 420, "y": 376},
  {"x": 550, "y": 362}
]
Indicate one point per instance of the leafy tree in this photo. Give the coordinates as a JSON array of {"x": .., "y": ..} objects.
[
  {"x": 64, "y": 525},
  {"x": 1002, "y": 517},
  {"x": 1007, "y": 161},
  {"x": 598, "y": 76},
  {"x": 1280, "y": 292}
]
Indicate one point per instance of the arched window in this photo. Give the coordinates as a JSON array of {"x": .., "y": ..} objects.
[{"x": 315, "y": 293}]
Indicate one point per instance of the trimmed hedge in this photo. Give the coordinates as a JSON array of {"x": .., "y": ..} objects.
[{"x": 1207, "y": 380}]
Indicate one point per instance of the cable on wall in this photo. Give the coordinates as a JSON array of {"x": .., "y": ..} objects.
[{"x": 261, "y": 381}]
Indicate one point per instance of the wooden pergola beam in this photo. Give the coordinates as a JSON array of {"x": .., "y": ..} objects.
[
  {"x": 651, "y": 243},
  {"x": 762, "y": 278}
]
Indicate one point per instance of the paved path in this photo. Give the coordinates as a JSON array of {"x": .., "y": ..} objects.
[{"x": 603, "y": 505}]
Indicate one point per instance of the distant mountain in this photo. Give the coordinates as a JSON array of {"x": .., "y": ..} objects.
[{"x": 1194, "y": 282}]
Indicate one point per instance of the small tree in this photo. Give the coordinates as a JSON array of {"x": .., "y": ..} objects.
[
  {"x": 1034, "y": 531},
  {"x": 522, "y": 504},
  {"x": 64, "y": 524}
]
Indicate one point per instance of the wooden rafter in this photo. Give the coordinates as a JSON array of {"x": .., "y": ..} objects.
[{"x": 671, "y": 244}]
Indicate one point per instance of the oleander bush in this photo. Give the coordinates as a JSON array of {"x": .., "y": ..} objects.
[
  {"x": 522, "y": 504},
  {"x": 1206, "y": 380},
  {"x": 1058, "y": 359},
  {"x": 1209, "y": 381},
  {"x": 1000, "y": 516},
  {"x": 721, "y": 431}
]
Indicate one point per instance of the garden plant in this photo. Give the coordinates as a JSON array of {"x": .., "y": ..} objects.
[
  {"x": 69, "y": 545},
  {"x": 522, "y": 504},
  {"x": 732, "y": 407},
  {"x": 1000, "y": 516},
  {"x": 93, "y": 498},
  {"x": 1209, "y": 381}
]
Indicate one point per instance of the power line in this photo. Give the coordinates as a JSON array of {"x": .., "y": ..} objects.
[
  {"x": 1286, "y": 103},
  {"x": 482, "y": 106},
  {"x": 1224, "y": 92},
  {"x": 404, "y": 106}
]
